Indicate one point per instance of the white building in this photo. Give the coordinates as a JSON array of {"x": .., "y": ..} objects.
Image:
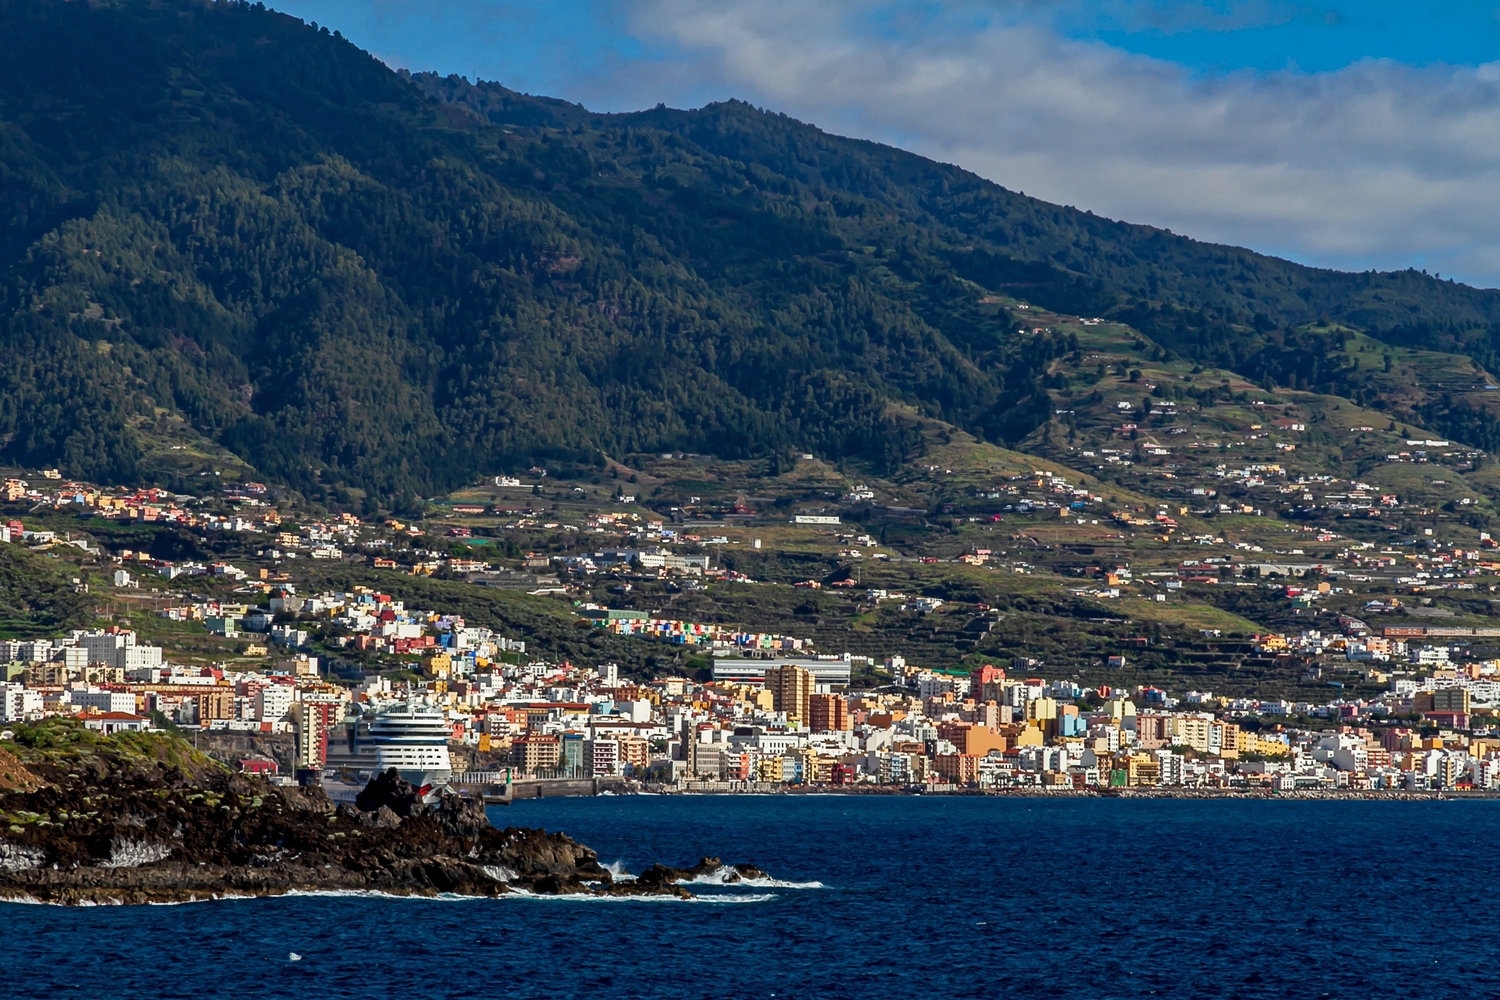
[
  {"x": 118, "y": 649},
  {"x": 19, "y": 703},
  {"x": 73, "y": 658},
  {"x": 26, "y": 651},
  {"x": 1429, "y": 655},
  {"x": 603, "y": 757},
  {"x": 103, "y": 701},
  {"x": 635, "y": 711},
  {"x": 930, "y": 685},
  {"x": 273, "y": 701},
  {"x": 110, "y": 723},
  {"x": 145, "y": 658}
]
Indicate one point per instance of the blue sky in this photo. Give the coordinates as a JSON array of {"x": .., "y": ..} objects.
[
  {"x": 533, "y": 45},
  {"x": 1342, "y": 134},
  {"x": 1312, "y": 37}
]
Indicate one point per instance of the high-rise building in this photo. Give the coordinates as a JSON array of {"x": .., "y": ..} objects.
[
  {"x": 572, "y": 754},
  {"x": 536, "y": 752},
  {"x": 706, "y": 760},
  {"x": 791, "y": 690},
  {"x": 987, "y": 683},
  {"x": 26, "y": 650},
  {"x": 19, "y": 703},
  {"x": 313, "y": 722},
  {"x": 1454, "y": 699},
  {"x": 105, "y": 647},
  {"x": 273, "y": 701},
  {"x": 603, "y": 757},
  {"x": 828, "y": 713}
]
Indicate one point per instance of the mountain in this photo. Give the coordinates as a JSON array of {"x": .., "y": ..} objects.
[{"x": 230, "y": 235}]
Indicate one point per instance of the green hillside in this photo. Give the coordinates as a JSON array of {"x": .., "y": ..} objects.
[{"x": 228, "y": 237}]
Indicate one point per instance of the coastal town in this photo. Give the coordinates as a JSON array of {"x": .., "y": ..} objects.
[
  {"x": 760, "y": 710},
  {"x": 769, "y": 722},
  {"x": 739, "y": 499},
  {"x": 1224, "y": 587}
]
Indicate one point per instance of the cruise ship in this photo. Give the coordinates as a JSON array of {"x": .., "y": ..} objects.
[{"x": 413, "y": 740}]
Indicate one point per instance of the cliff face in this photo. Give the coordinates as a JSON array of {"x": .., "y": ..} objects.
[{"x": 142, "y": 818}]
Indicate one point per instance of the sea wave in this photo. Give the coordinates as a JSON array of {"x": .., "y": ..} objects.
[
  {"x": 206, "y": 898},
  {"x": 443, "y": 897},
  {"x": 717, "y": 898},
  {"x": 724, "y": 876}
]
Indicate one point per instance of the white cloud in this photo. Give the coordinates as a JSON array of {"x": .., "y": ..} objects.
[{"x": 1377, "y": 164}]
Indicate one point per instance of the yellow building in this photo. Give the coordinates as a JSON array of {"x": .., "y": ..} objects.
[
  {"x": 1041, "y": 709},
  {"x": 1255, "y": 743},
  {"x": 1142, "y": 769},
  {"x": 816, "y": 769},
  {"x": 759, "y": 698},
  {"x": 768, "y": 769},
  {"x": 437, "y": 665},
  {"x": 1270, "y": 643},
  {"x": 1029, "y": 735},
  {"x": 1226, "y": 737},
  {"x": 636, "y": 752},
  {"x": 1480, "y": 749},
  {"x": 536, "y": 752},
  {"x": 791, "y": 690},
  {"x": 1191, "y": 731}
]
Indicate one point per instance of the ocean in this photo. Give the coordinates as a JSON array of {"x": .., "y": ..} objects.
[{"x": 872, "y": 897}]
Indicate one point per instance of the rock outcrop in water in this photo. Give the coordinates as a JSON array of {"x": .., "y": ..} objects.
[
  {"x": 707, "y": 869},
  {"x": 143, "y": 818}
]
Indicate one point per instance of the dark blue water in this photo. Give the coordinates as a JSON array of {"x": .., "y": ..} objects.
[{"x": 922, "y": 897}]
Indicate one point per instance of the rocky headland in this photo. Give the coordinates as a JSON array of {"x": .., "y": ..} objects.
[{"x": 143, "y": 818}]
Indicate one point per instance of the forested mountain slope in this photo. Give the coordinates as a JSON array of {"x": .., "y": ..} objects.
[
  {"x": 365, "y": 282},
  {"x": 1063, "y": 257}
]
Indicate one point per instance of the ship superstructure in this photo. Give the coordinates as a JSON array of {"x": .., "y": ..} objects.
[{"x": 414, "y": 740}]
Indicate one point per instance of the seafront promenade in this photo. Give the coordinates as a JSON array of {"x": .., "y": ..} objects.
[
  {"x": 498, "y": 789},
  {"x": 540, "y": 788}
]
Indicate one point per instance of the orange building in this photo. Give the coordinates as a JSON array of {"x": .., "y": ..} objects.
[
  {"x": 959, "y": 768},
  {"x": 828, "y": 713},
  {"x": 536, "y": 751},
  {"x": 1153, "y": 731},
  {"x": 635, "y": 752},
  {"x": 987, "y": 683},
  {"x": 791, "y": 687},
  {"x": 973, "y": 740}
]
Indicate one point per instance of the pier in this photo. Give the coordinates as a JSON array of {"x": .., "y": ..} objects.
[{"x": 498, "y": 788}]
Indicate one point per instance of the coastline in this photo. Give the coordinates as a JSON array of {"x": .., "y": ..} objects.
[
  {"x": 389, "y": 894},
  {"x": 144, "y": 818},
  {"x": 1259, "y": 794}
]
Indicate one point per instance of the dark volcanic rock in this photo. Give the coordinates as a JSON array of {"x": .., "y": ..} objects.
[
  {"x": 388, "y": 791},
  {"x": 660, "y": 875},
  {"x": 144, "y": 818}
]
